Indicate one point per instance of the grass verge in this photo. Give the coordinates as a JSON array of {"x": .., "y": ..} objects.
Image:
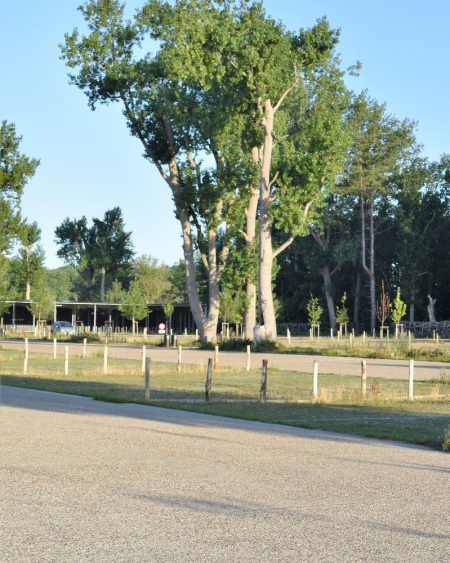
[{"x": 384, "y": 414}]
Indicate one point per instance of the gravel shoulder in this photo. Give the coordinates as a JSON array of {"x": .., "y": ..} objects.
[{"x": 84, "y": 480}]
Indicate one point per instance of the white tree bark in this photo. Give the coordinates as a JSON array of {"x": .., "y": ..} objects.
[{"x": 266, "y": 307}]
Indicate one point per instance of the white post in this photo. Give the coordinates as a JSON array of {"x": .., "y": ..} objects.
[
  {"x": 409, "y": 340},
  {"x": 66, "y": 360},
  {"x": 55, "y": 345},
  {"x": 105, "y": 360},
  {"x": 179, "y": 359},
  {"x": 145, "y": 335},
  {"x": 196, "y": 334},
  {"x": 363, "y": 379},
  {"x": 84, "y": 347},
  {"x": 147, "y": 379},
  {"x": 25, "y": 357},
  {"x": 315, "y": 379},
  {"x": 331, "y": 334},
  {"x": 288, "y": 334},
  {"x": 185, "y": 331},
  {"x": 143, "y": 360},
  {"x": 411, "y": 381},
  {"x": 248, "y": 357},
  {"x": 351, "y": 340},
  {"x": 216, "y": 357},
  {"x": 364, "y": 337}
]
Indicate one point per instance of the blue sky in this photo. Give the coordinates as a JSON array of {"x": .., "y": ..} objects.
[{"x": 89, "y": 163}]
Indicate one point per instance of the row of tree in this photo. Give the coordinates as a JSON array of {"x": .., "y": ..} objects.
[{"x": 259, "y": 141}]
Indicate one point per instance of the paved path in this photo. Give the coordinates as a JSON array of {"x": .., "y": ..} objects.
[
  {"x": 85, "y": 481},
  {"x": 391, "y": 369}
]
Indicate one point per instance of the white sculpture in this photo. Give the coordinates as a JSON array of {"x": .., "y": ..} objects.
[{"x": 431, "y": 309}]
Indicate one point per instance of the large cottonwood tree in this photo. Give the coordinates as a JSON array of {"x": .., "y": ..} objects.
[{"x": 188, "y": 131}]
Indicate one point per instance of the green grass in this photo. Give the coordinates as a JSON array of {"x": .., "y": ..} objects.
[{"x": 235, "y": 393}]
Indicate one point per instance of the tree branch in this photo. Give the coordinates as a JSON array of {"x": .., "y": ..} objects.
[
  {"x": 285, "y": 93},
  {"x": 282, "y": 247}
]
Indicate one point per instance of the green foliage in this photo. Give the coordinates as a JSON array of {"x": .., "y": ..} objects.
[
  {"x": 399, "y": 308},
  {"x": 314, "y": 311},
  {"x": 342, "y": 312},
  {"x": 168, "y": 308},
  {"x": 42, "y": 300},
  {"x": 16, "y": 170},
  {"x": 4, "y": 286},
  {"x": 64, "y": 283},
  {"x": 115, "y": 294},
  {"x": 152, "y": 277},
  {"x": 105, "y": 247},
  {"x": 134, "y": 306},
  {"x": 232, "y": 305}
]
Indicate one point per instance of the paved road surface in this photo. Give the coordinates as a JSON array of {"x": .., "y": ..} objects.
[
  {"x": 391, "y": 369},
  {"x": 85, "y": 481}
]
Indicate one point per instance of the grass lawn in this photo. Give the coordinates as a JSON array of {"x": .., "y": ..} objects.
[{"x": 385, "y": 413}]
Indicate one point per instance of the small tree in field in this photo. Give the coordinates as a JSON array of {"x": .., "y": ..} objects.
[
  {"x": 342, "y": 312},
  {"x": 383, "y": 306},
  {"x": 168, "y": 309},
  {"x": 314, "y": 311},
  {"x": 133, "y": 306},
  {"x": 399, "y": 308}
]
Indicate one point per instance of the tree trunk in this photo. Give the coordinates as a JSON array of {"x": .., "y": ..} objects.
[
  {"x": 411, "y": 314},
  {"x": 265, "y": 296},
  {"x": 250, "y": 308},
  {"x": 28, "y": 292},
  {"x": 357, "y": 300},
  {"x": 102, "y": 285},
  {"x": 206, "y": 323},
  {"x": 329, "y": 296},
  {"x": 370, "y": 271}
]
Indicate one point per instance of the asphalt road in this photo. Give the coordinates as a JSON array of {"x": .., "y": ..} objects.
[
  {"x": 88, "y": 481},
  {"x": 390, "y": 369}
]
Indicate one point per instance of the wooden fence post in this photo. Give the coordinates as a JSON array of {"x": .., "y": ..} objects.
[
  {"x": 208, "y": 381},
  {"x": 248, "y": 357},
  {"x": 216, "y": 357},
  {"x": 66, "y": 360},
  {"x": 143, "y": 359},
  {"x": 263, "y": 392},
  {"x": 179, "y": 359},
  {"x": 55, "y": 348},
  {"x": 25, "y": 357},
  {"x": 315, "y": 379},
  {"x": 147, "y": 378},
  {"x": 411, "y": 381},
  {"x": 363, "y": 379},
  {"x": 105, "y": 360}
]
